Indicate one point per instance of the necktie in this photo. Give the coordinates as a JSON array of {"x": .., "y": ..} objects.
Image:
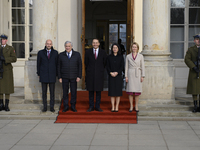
[
  {"x": 48, "y": 52},
  {"x": 95, "y": 54},
  {"x": 68, "y": 55}
]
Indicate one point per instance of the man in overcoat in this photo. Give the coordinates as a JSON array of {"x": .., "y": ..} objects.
[
  {"x": 7, "y": 56},
  {"x": 69, "y": 73},
  {"x": 47, "y": 60},
  {"x": 95, "y": 62},
  {"x": 193, "y": 85}
]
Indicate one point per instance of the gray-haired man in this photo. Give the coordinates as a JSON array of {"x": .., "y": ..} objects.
[{"x": 69, "y": 72}]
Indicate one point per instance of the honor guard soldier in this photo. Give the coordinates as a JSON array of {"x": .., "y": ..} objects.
[
  {"x": 192, "y": 60},
  {"x": 7, "y": 56}
]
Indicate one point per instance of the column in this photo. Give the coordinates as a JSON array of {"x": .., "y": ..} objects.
[
  {"x": 44, "y": 24},
  {"x": 44, "y": 27},
  {"x": 159, "y": 79}
]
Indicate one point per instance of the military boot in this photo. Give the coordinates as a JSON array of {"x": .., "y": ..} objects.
[
  {"x": 6, "y": 105},
  {"x": 1, "y": 105},
  {"x": 199, "y": 107},
  {"x": 195, "y": 107}
]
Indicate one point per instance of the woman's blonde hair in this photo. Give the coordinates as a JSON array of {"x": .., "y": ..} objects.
[{"x": 135, "y": 43}]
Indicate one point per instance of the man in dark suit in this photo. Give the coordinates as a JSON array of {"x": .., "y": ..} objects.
[
  {"x": 69, "y": 72},
  {"x": 47, "y": 69},
  {"x": 95, "y": 61}
]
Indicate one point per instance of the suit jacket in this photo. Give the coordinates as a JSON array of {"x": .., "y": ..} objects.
[
  {"x": 47, "y": 68},
  {"x": 69, "y": 68},
  {"x": 95, "y": 70}
]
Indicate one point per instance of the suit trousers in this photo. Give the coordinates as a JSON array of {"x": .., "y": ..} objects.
[
  {"x": 44, "y": 94},
  {"x": 73, "y": 90},
  {"x": 91, "y": 99}
]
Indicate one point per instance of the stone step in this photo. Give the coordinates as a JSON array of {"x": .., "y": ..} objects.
[
  {"x": 26, "y": 117},
  {"x": 146, "y": 118},
  {"x": 31, "y": 106},
  {"x": 154, "y": 107},
  {"x": 28, "y": 112},
  {"x": 168, "y": 114},
  {"x": 164, "y": 107},
  {"x": 21, "y": 100}
]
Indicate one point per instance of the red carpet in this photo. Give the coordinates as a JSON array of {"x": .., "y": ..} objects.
[{"x": 81, "y": 116}]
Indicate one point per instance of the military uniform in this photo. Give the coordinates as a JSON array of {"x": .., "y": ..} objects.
[
  {"x": 193, "y": 85},
  {"x": 6, "y": 83}
]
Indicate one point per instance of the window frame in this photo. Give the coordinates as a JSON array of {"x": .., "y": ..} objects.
[
  {"x": 186, "y": 27},
  {"x": 26, "y": 25}
]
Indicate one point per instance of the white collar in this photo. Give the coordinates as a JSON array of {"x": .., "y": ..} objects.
[
  {"x": 70, "y": 53},
  {"x": 96, "y": 49}
]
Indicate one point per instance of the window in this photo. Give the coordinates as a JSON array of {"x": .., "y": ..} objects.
[
  {"x": 117, "y": 31},
  {"x": 21, "y": 24},
  {"x": 185, "y": 23}
]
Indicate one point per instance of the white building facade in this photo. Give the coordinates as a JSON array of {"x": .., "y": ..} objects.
[{"x": 163, "y": 29}]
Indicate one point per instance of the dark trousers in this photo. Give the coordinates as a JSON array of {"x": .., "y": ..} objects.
[
  {"x": 73, "y": 90},
  {"x": 91, "y": 99},
  {"x": 44, "y": 94}
]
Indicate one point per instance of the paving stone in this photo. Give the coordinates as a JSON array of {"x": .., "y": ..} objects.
[
  {"x": 141, "y": 126},
  {"x": 183, "y": 143},
  {"x": 114, "y": 140},
  {"x": 174, "y": 125},
  {"x": 183, "y": 148},
  {"x": 13, "y": 128},
  {"x": 5, "y": 147},
  {"x": 10, "y": 139},
  {"x": 150, "y": 140},
  {"x": 144, "y": 132},
  {"x": 78, "y": 131},
  {"x": 74, "y": 140},
  {"x": 179, "y": 132},
  {"x": 181, "y": 137},
  {"x": 55, "y": 147},
  {"x": 34, "y": 139},
  {"x": 82, "y": 125},
  {"x": 28, "y": 147},
  {"x": 108, "y": 148},
  {"x": 147, "y": 147}
]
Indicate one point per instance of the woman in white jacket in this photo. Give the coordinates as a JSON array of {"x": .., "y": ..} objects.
[{"x": 134, "y": 74}]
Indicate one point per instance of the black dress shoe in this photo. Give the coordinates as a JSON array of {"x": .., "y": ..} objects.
[
  {"x": 130, "y": 110},
  {"x": 44, "y": 110},
  {"x": 99, "y": 109},
  {"x": 90, "y": 109},
  {"x": 74, "y": 109},
  {"x": 112, "y": 110},
  {"x": 116, "y": 110},
  {"x": 137, "y": 111},
  {"x": 65, "y": 109},
  {"x": 52, "y": 109}
]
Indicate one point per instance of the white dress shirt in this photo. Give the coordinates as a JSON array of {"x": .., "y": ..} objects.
[
  {"x": 48, "y": 51},
  {"x": 70, "y": 54},
  {"x": 97, "y": 51}
]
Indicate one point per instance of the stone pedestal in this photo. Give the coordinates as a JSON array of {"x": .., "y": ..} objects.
[
  {"x": 44, "y": 27},
  {"x": 159, "y": 68},
  {"x": 32, "y": 86}
]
